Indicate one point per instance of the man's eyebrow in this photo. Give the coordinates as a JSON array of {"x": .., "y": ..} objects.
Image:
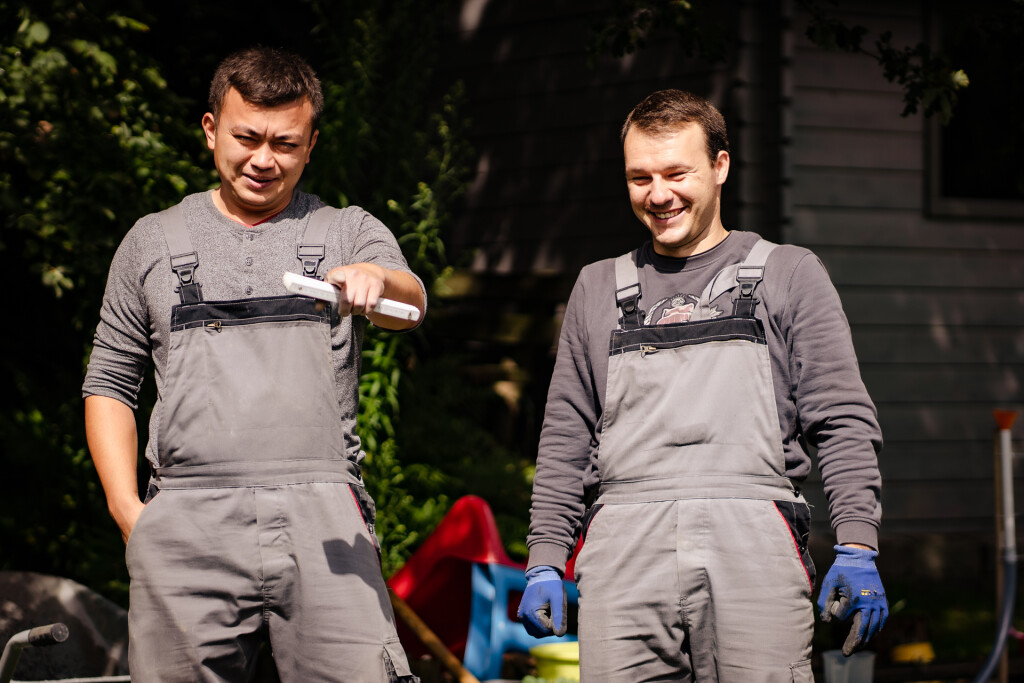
[
  {"x": 252, "y": 132},
  {"x": 673, "y": 167}
]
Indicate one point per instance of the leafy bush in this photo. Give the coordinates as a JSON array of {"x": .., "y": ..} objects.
[{"x": 90, "y": 139}]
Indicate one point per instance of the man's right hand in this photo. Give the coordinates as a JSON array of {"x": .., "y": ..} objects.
[
  {"x": 113, "y": 443},
  {"x": 852, "y": 587},
  {"x": 543, "y": 607},
  {"x": 126, "y": 515}
]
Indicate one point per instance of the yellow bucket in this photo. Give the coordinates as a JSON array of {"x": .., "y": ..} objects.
[
  {"x": 922, "y": 653},
  {"x": 557, "y": 660},
  {"x": 919, "y": 653}
]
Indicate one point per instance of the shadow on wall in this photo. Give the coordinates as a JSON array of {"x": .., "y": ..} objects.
[{"x": 548, "y": 192}]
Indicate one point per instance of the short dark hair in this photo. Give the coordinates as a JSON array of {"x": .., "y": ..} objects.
[
  {"x": 267, "y": 77},
  {"x": 666, "y": 111}
]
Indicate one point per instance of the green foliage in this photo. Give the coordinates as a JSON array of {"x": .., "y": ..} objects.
[
  {"x": 387, "y": 142},
  {"x": 626, "y": 27},
  {"x": 443, "y": 425},
  {"x": 927, "y": 79},
  {"x": 90, "y": 140}
]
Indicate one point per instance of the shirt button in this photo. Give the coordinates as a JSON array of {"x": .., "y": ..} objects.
[
  {"x": 248, "y": 291},
  {"x": 249, "y": 236},
  {"x": 248, "y": 260}
]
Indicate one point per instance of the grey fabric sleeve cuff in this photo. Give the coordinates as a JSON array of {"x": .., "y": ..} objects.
[
  {"x": 851, "y": 532},
  {"x": 549, "y": 554},
  {"x": 106, "y": 392}
]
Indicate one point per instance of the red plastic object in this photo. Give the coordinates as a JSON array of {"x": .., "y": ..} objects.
[{"x": 436, "y": 580}]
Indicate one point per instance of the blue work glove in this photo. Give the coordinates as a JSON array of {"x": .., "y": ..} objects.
[
  {"x": 852, "y": 585},
  {"x": 543, "y": 607}
]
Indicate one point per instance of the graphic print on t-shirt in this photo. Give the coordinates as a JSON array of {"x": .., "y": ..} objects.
[{"x": 677, "y": 308}]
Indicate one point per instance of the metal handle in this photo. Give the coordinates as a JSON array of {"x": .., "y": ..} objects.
[{"x": 40, "y": 636}]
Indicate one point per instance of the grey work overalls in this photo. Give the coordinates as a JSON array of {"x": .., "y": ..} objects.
[
  {"x": 257, "y": 527},
  {"x": 693, "y": 566}
]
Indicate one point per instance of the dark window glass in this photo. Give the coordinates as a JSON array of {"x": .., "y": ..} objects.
[{"x": 981, "y": 148}]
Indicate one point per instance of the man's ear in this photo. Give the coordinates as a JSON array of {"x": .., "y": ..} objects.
[
  {"x": 312, "y": 144},
  {"x": 210, "y": 129},
  {"x": 722, "y": 167}
]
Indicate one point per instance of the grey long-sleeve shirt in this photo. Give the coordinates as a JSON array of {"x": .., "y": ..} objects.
[
  {"x": 235, "y": 262},
  {"x": 820, "y": 396}
]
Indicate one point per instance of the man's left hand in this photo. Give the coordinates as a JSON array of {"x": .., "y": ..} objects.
[{"x": 852, "y": 586}]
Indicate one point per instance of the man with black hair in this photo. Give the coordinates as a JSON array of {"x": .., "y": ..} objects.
[
  {"x": 256, "y": 526},
  {"x": 690, "y": 374}
]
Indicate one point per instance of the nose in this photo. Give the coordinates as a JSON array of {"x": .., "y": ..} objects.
[
  {"x": 262, "y": 157},
  {"x": 660, "y": 192}
]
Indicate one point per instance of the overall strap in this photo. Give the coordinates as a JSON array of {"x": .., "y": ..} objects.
[
  {"x": 311, "y": 249},
  {"x": 184, "y": 259},
  {"x": 627, "y": 291},
  {"x": 746, "y": 275},
  {"x": 749, "y": 276}
]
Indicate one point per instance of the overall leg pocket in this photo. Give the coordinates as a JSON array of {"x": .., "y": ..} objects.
[
  {"x": 588, "y": 518},
  {"x": 798, "y": 518},
  {"x": 368, "y": 511},
  {"x": 801, "y": 672},
  {"x": 139, "y": 535},
  {"x": 396, "y": 665}
]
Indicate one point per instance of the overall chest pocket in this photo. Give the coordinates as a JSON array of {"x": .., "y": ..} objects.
[
  {"x": 242, "y": 372},
  {"x": 267, "y": 375}
]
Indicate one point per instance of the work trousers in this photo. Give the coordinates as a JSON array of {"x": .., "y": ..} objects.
[
  {"x": 216, "y": 571},
  {"x": 712, "y": 590}
]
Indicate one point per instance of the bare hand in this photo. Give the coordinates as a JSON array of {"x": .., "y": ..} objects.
[
  {"x": 361, "y": 285},
  {"x": 127, "y": 517}
]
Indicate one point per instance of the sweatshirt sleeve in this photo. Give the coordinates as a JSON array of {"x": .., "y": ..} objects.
[
  {"x": 121, "y": 346},
  {"x": 375, "y": 243},
  {"x": 836, "y": 415},
  {"x": 567, "y": 441}
]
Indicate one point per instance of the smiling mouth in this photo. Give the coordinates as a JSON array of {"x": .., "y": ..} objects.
[
  {"x": 665, "y": 215},
  {"x": 256, "y": 180}
]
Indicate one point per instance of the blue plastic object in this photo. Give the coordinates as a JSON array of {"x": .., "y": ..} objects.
[{"x": 492, "y": 632}]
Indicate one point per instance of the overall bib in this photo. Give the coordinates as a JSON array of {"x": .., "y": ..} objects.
[
  {"x": 695, "y": 566},
  {"x": 257, "y": 528}
]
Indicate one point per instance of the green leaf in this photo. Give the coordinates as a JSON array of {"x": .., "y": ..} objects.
[
  {"x": 124, "y": 22},
  {"x": 37, "y": 33}
]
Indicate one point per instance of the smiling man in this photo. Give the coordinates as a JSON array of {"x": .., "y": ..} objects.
[
  {"x": 256, "y": 527},
  {"x": 691, "y": 375}
]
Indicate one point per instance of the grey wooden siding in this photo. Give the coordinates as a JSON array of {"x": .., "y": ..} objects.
[{"x": 936, "y": 306}]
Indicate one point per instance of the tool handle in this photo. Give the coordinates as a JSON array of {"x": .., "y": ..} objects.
[
  {"x": 430, "y": 639},
  {"x": 51, "y": 634}
]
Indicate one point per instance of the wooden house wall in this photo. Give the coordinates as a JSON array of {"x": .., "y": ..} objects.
[{"x": 936, "y": 305}]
